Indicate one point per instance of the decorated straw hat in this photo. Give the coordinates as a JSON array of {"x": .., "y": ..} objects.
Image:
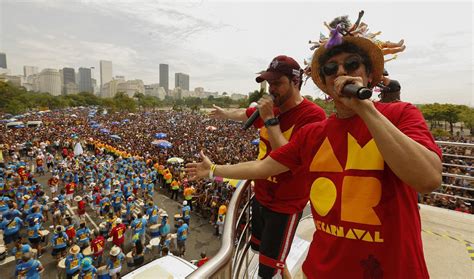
[{"x": 342, "y": 31}]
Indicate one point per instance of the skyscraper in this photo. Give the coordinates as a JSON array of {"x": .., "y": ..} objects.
[
  {"x": 164, "y": 77},
  {"x": 29, "y": 70},
  {"x": 181, "y": 80},
  {"x": 105, "y": 72},
  {"x": 50, "y": 81},
  {"x": 69, "y": 75},
  {"x": 3, "y": 60},
  {"x": 85, "y": 81}
]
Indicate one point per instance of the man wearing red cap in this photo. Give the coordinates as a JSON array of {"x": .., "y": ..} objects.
[{"x": 279, "y": 200}]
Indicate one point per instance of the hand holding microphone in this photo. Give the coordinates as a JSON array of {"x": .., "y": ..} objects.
[
  {"x": 352, "y": 87},
  {"x": 265, "y": 104}
]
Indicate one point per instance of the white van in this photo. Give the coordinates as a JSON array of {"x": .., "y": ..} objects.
[
  {"x": 166, "y": 267},
  {"x": 34, "y": 124},
  {"x": 13, "y": 124}
]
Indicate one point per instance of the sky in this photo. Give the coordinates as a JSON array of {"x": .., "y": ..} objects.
[{"x": 223, "y": 44}]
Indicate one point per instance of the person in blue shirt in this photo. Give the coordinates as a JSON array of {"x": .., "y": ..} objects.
[
  {"x": 11, "y": 229},
  {"x": 88, "y": 271},
  {"x": 150, "y": 187},
  {"x": 104, "y": 206},
  {"x": 152, "y": 213},
  {"x": 28, "y": 268},
  {"x": 83, "y": 235},
  {"x": 34, "y": 236},
  {"x": 19, "y": 249},
  {"x": 139, "y": 226},
  {"x": 117, "y": 200},
  {"x": 73, "y": 261},
  {"x": 164, "y": 226},
  {"x": 182, "y": 235},
  {"x": 186, "y": 212},
  {"x": 59, "y": 243},
  {"x": 114, "y": 263},
  {"x": 4, "y": 204}
]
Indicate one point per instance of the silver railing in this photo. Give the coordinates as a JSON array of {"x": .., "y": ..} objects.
[
  {"x": 233, "y": 254},
  {"x": 237, "y": 227}
]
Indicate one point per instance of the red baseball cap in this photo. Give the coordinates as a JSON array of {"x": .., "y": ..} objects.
[{"x": 280, "y": 65}]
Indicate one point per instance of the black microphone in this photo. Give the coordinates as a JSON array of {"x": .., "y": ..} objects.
[
  {"x": 254, "y": 116},
  {"x": 352, "y": 90}
]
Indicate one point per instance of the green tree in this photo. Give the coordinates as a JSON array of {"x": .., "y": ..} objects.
[
  {"x": 255, "y": 96},
  {"x": 467, "y": 117}
]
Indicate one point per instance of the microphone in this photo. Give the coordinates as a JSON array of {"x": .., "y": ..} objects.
[
  {"x": 254, "y": 116},
  {"x": 352, "y": 90}
]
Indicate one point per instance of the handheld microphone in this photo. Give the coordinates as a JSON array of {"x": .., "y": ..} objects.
[
  {"x": 360, "y": 92},
  {"x": 254, "y": 116}
]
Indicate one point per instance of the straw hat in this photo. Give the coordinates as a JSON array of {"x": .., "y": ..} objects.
[
  {"x": 373, "y": 52},
  {"x": 78, "y": 198},
  {"x": 115, "y": 251},
  {"x": 74, "y": 250},
  {"x": 164, "y": 214}
]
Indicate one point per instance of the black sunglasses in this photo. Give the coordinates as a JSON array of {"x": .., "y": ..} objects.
[{"x": 351, "y": 64}]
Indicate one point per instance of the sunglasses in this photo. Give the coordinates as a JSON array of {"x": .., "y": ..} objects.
[{"x": 351, "y": 64}]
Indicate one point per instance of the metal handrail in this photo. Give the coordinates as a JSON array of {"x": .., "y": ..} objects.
[
  {"x": 220, "y": 266},
  {"x": 452, "y": 143}
]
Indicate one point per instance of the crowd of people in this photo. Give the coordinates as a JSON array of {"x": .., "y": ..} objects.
[
  {"x": 456, "y": 193},
  {"x": 88, "y": 172}
]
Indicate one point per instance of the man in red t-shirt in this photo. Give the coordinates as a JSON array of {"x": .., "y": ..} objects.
[
  {"x": 279, "y": 201},
  {"x": 204, "y": 259},
  {"x": 98, "y": 245},
  {"x": 364, "y": 164},
  {"x": 118, "y": 233},
  {"x": 70, "y": 187}
]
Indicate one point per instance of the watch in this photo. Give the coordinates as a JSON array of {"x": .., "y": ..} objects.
[{"x": 272, "y": 122}]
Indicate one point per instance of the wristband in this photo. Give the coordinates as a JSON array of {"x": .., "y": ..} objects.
[{"x": 211, "y": 171}]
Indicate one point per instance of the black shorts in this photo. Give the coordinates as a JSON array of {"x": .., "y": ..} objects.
[
  {"x": 58, "y": 251},
  {"x": 272, "y": 236},
  {"x": 35, "y": 240}
]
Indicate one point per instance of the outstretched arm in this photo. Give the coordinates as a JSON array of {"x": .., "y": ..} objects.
[
  {"x": 249, "y": 170},
  {"x": 237, "y": 114}
]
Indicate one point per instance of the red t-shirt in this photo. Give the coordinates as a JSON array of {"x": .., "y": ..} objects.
[
  {"x": 70, "y": 188},
  {"x": 81, "y": 207},
  {"x": 118, "y": 234},
  {"x": 367, "y": 220},
  {"x": 279, "y": 193},
  {"x": 98, "y": 245},
  {"x": 202, "y": 261}
]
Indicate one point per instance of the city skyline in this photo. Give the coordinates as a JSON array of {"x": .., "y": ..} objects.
[{"x": 222, "y": 50}]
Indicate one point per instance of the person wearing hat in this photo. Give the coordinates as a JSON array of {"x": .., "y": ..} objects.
[
  {"x": 364, "y": 164},
  {"x": 118, "y": 233},
  {"x": 114, "y": 263},
  {"x": 164, "y": 225},
  {"x": 88, "y": 270},
  {"x": 28, "y": 267},
  {"x": 73, "y": 261},
  {"x": 186, "y": 212},
  {"x": 59, "y": 242},
  {"x": 282, "y": 114},
  {"x": 117, "y": 200}
]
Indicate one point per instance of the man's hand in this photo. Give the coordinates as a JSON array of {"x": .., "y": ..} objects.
[
  {"x": 265, "y": 107},
  {"x": 218, "y": 113},
  {"x": 199, "y": 170},
  {"x": 351, "y": 102}
]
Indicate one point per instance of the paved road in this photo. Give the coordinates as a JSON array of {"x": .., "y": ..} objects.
[{"x": 200, "y": 238}]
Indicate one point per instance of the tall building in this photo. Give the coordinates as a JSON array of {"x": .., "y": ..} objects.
[
  {"x": 69, "y": 75},
  {"x": 181, "y": 80},
  {"x": 29, "y": 70},
  {"x": 3, "y": 60},
  {"x": 164, "y": 77},
  {"x": 105, "y": 72},
  {"x": 85, "y": 80},
  {"x": 50, "y": 81}
]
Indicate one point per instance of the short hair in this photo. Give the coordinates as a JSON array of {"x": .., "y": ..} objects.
[{"x": 344, "y": 47}]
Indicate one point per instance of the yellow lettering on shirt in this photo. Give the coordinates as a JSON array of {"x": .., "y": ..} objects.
[
  {"x": 325, "y": 160},
  {"x": 363, "y": 158},
  {"x": 359, "y": 197},
  {"x": 349, "y": 233}
]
